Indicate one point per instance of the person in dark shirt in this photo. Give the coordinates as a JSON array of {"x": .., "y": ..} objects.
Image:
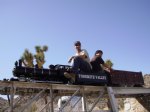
[{"x": 97, "y": 61}]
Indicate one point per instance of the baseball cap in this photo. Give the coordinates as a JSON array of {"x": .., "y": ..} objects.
[{"x": 77, "y": 43}]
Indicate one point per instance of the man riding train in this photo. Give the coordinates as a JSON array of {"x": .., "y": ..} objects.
[{"x": 81, "y": 62}]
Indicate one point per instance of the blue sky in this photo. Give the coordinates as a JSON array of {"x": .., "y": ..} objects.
[{"x": 121, "y": 28}]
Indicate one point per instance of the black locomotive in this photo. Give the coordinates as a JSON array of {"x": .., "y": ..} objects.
[{"x": 55, "y": 74}]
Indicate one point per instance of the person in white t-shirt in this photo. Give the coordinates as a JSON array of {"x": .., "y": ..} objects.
[{"x": 80, "y": 62}]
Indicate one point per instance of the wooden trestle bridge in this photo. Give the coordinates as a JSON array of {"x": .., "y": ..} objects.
[{"x": 12, "y": 88}]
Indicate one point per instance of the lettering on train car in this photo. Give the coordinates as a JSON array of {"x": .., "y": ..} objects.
[{"x": 92, "y": 77}]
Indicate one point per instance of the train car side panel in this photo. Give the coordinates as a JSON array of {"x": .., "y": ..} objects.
[{"x": 126, "y": 78}]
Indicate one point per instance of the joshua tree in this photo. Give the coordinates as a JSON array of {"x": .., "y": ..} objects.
[
  {"x": 40, "y": 57},
  {"x": 27, "y": 58},
  {"x": 109, "y": 63}
]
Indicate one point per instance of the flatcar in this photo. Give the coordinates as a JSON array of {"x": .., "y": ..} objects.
[
  {"x": 126, "y": 78},
  {"x": 55, "y": 74}
]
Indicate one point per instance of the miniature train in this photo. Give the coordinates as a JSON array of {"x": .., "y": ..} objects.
[{"x": 55, "y": 74}]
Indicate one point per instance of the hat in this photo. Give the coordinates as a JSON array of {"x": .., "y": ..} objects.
[{"x": 77, "y": 43}]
